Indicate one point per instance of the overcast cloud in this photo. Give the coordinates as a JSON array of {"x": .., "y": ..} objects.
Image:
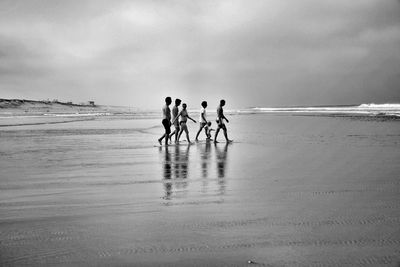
[{"x": 252, "y": 53}]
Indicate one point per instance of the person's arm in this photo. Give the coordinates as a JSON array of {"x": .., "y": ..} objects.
[
  {"x": 223, "y": 116},
  {"x": 226, "y": 119},
  {"x": 177, "y": 116},
  {"x": 191, "y": 118}
]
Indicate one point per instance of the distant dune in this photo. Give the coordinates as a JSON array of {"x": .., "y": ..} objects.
[
  {"x": 23, "y": 107},
  {"x": 40, "y": 107}
]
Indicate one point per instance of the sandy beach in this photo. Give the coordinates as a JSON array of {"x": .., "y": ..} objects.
[{"x": 290, "y": 191}]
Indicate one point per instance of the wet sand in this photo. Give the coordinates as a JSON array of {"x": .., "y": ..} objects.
[{"x": 290, "y": 191}]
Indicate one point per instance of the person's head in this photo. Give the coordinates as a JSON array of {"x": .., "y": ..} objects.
[
  {"x": 204, "y": 104},
  {"x": 184, "y": 105},
  {"x": 209, "y": 123},
  {"x": 168, "y": 100},
  {"x": 222, "y": 102},
  {"x": 177, "y": 102}
]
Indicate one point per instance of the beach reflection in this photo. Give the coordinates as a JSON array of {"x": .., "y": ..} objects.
[
  {"x": 221, "y": 155},
  {"x": 167, "y": 170},
  {"x": 203, "y": 164},
  {"x": 175, "y": 170}
]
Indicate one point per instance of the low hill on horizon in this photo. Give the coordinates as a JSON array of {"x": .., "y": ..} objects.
[
  {"x": 11, "y": 107},
  {"x": 13, "y": 103},
  {"x": 40, "y": 107}
]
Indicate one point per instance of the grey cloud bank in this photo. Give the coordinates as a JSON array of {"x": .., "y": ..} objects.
[{"x": 253, "y": 53}]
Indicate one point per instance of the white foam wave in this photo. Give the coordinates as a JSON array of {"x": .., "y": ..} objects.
[
  {"x": 77, "y": 114},
  {"x": 380, "y": 106},
  {"x": 363, "y": 109}
]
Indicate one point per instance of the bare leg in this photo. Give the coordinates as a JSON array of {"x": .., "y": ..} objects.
[
  {"x": 166, "y": 135},
  {"x": 187, "y": 135},
  {"x": 199, "y": 131},
  {"x": 179, "y": 135},
  {"x": 166, "y": 138},
  {"x": 167, "y": 132},
  {"x": 172, "y": 134},
  {"x": 176, "y": 135},
  {"x": 161, "y": 138},
  {"x": 216, "y": 134},
  {"x": 226, "y": 136}
]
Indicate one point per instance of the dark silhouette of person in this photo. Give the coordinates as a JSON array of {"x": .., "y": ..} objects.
[
  {"x": 220, "y": 122},
  {"x": 166, "y": 121},
  {"x": 175, "y": 112}
]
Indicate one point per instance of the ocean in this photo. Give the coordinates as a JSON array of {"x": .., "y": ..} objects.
[{"x": 14, "y": 117}]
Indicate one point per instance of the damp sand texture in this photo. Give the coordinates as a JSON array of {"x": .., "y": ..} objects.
[{"x": 290, "y": 191}]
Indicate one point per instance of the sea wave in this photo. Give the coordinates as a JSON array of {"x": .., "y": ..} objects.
[
  {"x": 126, "y": 114},
  {"x": 77, "y": 114},
  {"x": 371, "y": 109}
]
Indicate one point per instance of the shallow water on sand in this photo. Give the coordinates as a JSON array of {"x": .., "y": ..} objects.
[{"x": 291, "y": 190}]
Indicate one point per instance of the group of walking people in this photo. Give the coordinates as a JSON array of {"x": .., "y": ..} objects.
[{"x": 179, "y": 121}]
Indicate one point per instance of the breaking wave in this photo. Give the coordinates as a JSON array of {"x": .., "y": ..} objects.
[{"x": 392, "y": 110}]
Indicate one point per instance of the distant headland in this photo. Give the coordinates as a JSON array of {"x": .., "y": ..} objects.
[
  {"x": 16, "y": 103},
  {"x": 40, "y": 107}
]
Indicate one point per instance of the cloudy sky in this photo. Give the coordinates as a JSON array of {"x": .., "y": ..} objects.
[{"x": 250, "y": 52}]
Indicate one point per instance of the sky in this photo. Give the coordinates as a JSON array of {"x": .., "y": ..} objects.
[{"x": 263, "y": 53}]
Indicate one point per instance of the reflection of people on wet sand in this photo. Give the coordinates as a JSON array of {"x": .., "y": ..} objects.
[
  {"x": 182, "y": 162},
  {"x": 166, "y": 122},
  {"x": 167, "y": 174},
  {"x": 176, "y": 162},
  {"x": 184, "y": 116},
  {"x": 205, "y": 155},
  {"x": 175, "y": 168},
  {"x": 221, "y": 166},
  {"x": 220, "y": 122}
]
